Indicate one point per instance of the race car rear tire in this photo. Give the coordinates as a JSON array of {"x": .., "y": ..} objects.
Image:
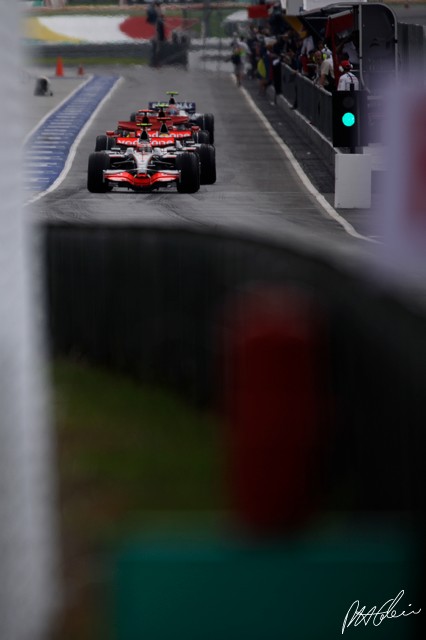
[
  {"x": 202, "y": 137},
  {"x": 103, "y": 143},
  {"x": 208, "y": 125},
  {"x": 133, "y": 117},
  {"x": 207, "y": 155},
  {"x": 189, "y": 166},
  {"x": 98, "y": 162}
]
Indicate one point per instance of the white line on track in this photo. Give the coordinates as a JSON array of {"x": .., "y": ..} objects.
[
  {"x": 74, "y": 146},
  {"x": 326, "y": 206}
]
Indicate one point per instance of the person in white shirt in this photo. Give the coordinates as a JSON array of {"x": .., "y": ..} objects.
[
  {"x": 326, "y": 77},
  {"x": 240, "y": 51},
  {"x": 307, "y": 46},
  {"x": 348, "y": 79}
]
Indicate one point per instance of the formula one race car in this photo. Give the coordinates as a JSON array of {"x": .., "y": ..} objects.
[
  {"x": 127, "y": 133},
  {"x": 181, "y": 113},
  {"x": 146, "y": 167},
  {"x": 162, "y": 139}
]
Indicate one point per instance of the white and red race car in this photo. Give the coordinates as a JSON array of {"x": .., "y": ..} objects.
[{"x": 152, "y": 164}]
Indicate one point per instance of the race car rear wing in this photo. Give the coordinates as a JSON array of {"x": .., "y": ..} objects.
[{"x": 184, "y": 106}]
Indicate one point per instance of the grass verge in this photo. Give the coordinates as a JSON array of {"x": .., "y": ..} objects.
[{"x": 131, "y": 459}]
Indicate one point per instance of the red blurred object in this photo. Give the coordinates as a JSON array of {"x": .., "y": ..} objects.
[
  {"x": 278, "y": 406},
  {"x": 59, "y": 67},
  {"x": 258, "y": 11},
  {"x": 336, "y": 25},
  {"x": 416, "y": 176},
  {"x": 342, "y": 22}
]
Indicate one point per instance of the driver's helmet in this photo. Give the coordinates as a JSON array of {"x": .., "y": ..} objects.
[
  {"x": 173, "y": 110},
  {"x": 144, "y": 146}
]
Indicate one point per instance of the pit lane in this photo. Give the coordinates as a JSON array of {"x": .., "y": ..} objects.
[{"x": 257, "y": 189}]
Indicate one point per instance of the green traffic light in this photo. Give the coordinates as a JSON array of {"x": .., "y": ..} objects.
[{"x": 348, "y": 119}]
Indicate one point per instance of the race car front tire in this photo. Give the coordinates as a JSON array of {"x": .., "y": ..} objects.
[
  {"x": 103, "y": 143},
  {"x": 189, "y": 166},
  {"x": 133, "y": 117},
  {"x": 207, "y": 155},
  {"x": 98, "y": 162}
]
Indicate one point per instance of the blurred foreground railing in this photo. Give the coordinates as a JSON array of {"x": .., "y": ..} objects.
[
  {"x": 150, "y": 302},
  {"x": 317, "y": 374}
]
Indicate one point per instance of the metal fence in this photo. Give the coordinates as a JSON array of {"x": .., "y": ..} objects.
[
  {"x": 311, "y": 101},
  {"x": 315, "y": 104}
]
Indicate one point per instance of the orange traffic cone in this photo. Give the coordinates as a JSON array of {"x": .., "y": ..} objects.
[
  {"x": 59, "y": 67},
  {"x": 80, "y": 71}
]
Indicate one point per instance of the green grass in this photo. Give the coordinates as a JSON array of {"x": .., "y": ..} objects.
[
  {"x": 131, "y": 459},
  {"x": 128, "y": 452}
]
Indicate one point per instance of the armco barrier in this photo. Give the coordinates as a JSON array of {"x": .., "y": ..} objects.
[{"x": 150, "y": 302}]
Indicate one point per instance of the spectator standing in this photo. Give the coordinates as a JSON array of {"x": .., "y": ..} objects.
[
  {"x": 347, "y": 50},
  {"x": 161, "y": 36},
  {"x": 348, "y": 80},
  {"x": 315, "y": 66},
  {"x": 326, "y": 77},
  {"x": 239, "y": 52},
  {"x": 276, "y": 21},
  {"x": 151, "y": 14},
  {"x": 307, "y": 46},
  {"x": 276, "y": 55},
  {"x": 262, "y": 68},
  {"x": 253, "y": 46}
]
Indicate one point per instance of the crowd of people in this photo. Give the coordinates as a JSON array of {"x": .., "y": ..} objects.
[{"x": 258, "y": 52}]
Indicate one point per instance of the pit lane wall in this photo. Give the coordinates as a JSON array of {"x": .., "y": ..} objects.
[{"x": 309, "y": 108}]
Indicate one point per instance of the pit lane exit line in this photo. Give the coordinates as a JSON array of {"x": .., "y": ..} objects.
[
  {"x": 60, "y": 132},
  {"x": 326, "y": 206}
]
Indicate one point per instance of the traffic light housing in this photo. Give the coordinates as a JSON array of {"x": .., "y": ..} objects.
[{"x": 350, "y": 119}]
